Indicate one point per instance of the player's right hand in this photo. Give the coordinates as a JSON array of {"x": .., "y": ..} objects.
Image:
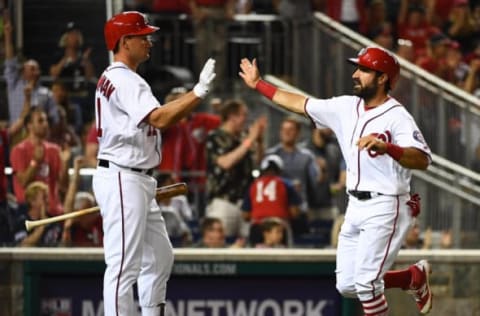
[
  {"x": 206, "y": 77},
  {"x": 250, "y": 73}
]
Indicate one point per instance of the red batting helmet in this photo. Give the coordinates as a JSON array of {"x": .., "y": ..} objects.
[
  {"x": 378, "y": 59},
  {"x": 126, "y": 23}
]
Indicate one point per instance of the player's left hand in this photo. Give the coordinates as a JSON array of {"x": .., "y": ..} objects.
[
  {"x": 414, "y": 204},
  {"x": 205, "y": 79},
  {"x": 250, "y": 73},
  {"x": 372, "y": 142}
]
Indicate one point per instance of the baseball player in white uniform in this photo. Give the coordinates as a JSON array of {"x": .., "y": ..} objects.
[
  {"x": 128, "y": 116},
  {"x": 381, "y": 143}
]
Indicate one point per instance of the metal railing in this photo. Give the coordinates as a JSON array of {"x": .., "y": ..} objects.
[{"x": 448, "y": 116}]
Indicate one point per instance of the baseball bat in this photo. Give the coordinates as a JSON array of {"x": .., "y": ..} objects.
[{"x": 161, "y": 193}]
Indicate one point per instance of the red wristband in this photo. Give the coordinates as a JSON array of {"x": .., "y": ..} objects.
[
  {"x": 266, "y": 89},
  {"x": 394, "y": 151}
]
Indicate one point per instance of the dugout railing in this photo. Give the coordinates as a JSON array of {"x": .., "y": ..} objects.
[{"x": 448, "y": 116}]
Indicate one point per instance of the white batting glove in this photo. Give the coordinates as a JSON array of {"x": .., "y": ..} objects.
[{"x": 206, "y": 77}]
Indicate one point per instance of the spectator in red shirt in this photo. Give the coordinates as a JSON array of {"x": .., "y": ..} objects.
[
  {"x": 196, "y": 128},
  {"x": 173, "y": 153},
  {"x": 183, "y": 150},
  {"x": 414, "y": 26},
  {"x": 183, "y": 145},
  {"x": 434, "y": 60},
  {"x": 270, "y": 196},
  {"x": 37, "y": 159}
]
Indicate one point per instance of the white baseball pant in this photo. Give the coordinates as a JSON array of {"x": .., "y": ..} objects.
[
  {"x": 136, "y": 243},
  {"x": 369, "y": 242}
]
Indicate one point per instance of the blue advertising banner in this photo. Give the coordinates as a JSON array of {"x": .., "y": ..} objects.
[
  {"x": 200, "y": 289},
  {"x": 253, "y": 296},
  {"x": 272, "y": 296}
]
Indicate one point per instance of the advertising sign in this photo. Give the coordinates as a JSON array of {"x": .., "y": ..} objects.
[{"x": 202, "y": 289}]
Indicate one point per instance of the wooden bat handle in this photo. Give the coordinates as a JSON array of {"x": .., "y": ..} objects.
[
  {"x": 162, "y": 193},
  {"x": 29, "y": 225},
  {"x": 171, "y": 190}
]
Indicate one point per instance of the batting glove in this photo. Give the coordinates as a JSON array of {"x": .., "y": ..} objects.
[
  {"x": 206, "y": 77},
  {"x": 414, "y": 204}
]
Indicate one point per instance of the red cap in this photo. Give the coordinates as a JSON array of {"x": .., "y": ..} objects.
[
  {"x": 379, "y": 59},
  {"x": 126, "y": 23}
]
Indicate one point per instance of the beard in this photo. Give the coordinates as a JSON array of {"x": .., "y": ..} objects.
[{"x": 365, "y": 92}]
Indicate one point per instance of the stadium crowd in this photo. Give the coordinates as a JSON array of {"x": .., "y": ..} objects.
[{"x": 243, "y": 191}]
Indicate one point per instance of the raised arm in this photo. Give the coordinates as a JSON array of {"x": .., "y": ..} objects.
[
  {"x": 17, "y": 126},
  {"x": 68, "y": 204},
  {"x": 8, "y": 37},
  {"x": 173, "y": 111},
  {"x": 254, "y": 138},
  {"x": 288, "y": 100}
]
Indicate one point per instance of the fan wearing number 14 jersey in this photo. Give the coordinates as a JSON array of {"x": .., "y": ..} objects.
[{"x": 270, "y": 195}]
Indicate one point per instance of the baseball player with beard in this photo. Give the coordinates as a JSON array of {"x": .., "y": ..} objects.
[
  {"x": 380, "y": 143},
  {"x": 128, "y": 116}
]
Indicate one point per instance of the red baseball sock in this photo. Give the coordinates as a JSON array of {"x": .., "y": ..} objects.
[{"x": 398, "y": 279}]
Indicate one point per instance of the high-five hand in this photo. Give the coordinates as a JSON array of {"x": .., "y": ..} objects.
[
  {"x": 249, "y": 73},
  {"x": 206, "y": 77}
]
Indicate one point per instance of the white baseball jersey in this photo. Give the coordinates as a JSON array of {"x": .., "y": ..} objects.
[
  {"x": 136, "y": 244},
  {"x": 367, "y": 170},
  {"x": 123, "y": 100},
  {"x": 373, "y": 229}
]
